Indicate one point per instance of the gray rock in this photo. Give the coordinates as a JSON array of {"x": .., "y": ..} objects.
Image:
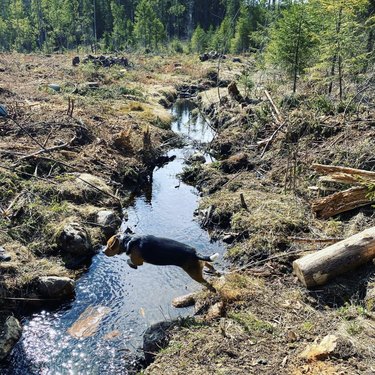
[
  {"x": 75, "y": 241},
  {"x": 109, "y": 221},
  {"x": 55, "y": 287},
  {"x": 10, "y": 333}
]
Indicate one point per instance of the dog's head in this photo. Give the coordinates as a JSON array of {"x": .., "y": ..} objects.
[
  {"x": 113, "y": 246},
  {"x": 117, "y": 244}
]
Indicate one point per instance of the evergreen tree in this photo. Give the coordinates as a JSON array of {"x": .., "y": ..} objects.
[
  {"x": 119, "y": 32},
  {"x": 21, "y": 33},
  {"x": 292, "y": 41},
  {"x": 241, "y": 40},
  {"x": 342, "y": 41},
  {"x": 198, "y": 40},
  {"x": 148, "y": 28}
]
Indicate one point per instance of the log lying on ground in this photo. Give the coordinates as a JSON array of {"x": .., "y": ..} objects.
[
  {"x": 344, "y": 174},
  {"x": 317, "y": 268},
  {"x": 341, "y": 201}
]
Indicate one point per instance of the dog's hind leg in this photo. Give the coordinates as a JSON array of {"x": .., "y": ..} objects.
[{"x": 195, "y": 271}]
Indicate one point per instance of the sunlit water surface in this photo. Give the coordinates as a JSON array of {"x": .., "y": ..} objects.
[{"x": 125, "y": 301}]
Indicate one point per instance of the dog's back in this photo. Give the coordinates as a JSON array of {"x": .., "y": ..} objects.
[{"x": 162, "y": 251}]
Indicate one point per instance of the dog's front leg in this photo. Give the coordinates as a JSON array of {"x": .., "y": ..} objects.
[{"x": 131, "y": 264}]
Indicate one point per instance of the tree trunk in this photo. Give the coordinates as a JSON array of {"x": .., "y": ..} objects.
[{"x": 317, "y": 268}]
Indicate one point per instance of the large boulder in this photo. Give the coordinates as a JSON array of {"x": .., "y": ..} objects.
[
  {"x": 10, "y": 333},
  {"x": 75, "y": 243},
  {"x": 109, "y": 222},
  {"x": 55, "y": 287}
]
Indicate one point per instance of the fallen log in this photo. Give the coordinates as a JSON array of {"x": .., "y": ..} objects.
[
  {"x": 317, "y": 268},
  {"x": 344, "y": 174},
  {"x": 341, "y": 201}
]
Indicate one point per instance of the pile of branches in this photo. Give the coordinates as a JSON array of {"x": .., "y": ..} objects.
[{"x": 105, "y": 61}]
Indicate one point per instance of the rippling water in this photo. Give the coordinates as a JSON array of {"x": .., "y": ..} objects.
[{"x": 119, "y": 302}]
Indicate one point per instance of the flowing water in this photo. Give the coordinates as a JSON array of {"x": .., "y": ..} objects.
[{"x": 114, "y": 303}]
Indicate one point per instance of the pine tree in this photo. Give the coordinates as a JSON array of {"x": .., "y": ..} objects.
[
  {"x": 241, "y": 40},
  {"x": 342, "y": 41},
  {"x": 148, "y": 28},
  {"x": 119, "y": 32},
  {"x": 198, "y": 40},
  {"x": 292, "y": 41}
]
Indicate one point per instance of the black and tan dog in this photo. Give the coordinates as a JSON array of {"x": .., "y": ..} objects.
[{"x": 161, "y": 252}]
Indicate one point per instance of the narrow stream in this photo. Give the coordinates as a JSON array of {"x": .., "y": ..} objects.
[{"x": 122, "y": 301}]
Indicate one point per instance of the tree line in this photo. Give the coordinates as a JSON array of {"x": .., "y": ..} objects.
[{"x": 327, "y": 38}]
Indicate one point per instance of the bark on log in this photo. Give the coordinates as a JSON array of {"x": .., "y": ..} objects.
[
  {"x": 317, "y": 268},
  {"x": 341, "y": 201}
]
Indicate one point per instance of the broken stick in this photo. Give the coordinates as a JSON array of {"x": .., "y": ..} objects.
[{"x": 317, "y": 268}]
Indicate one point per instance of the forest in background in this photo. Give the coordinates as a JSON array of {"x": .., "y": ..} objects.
[{"x": 331, "y": 40}]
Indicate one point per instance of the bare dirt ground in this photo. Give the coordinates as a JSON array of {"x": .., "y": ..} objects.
[{"x": 262, "y": 319}]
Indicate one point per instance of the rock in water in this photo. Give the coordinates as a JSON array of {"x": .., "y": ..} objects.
[
  {"x": 109, "y": 222},
  {"x": 75, "y": 241},
  {"x": 10, "y": 333}
]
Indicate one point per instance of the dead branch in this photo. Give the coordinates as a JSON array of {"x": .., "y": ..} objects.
[
  {"x": 279, "y": 118},
  {"x": 49, "y": 150}
]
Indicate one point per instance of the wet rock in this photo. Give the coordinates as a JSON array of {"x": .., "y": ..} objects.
[
  {"x": 74, "y": 241},
  {"x": 10, "y": 333},
  {"x": 329, "y": 346},
  {"x": 76, "y": 60},
  {"x": 109, "y": 222},
  {"x": 184, "y": 301},
  {"x": 55, "y": 287},
  {"x": 156, "y": 338},
  {"x": 198, "y": 157},
  {"x": 54, "y": 87},
  {"x": 4, "y": 256}
]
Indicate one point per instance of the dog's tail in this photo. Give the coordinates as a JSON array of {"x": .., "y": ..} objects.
[{"x": 208, "y": 258}]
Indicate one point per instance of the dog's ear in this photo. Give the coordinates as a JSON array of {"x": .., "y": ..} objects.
[{"x": 113, "y": 246}]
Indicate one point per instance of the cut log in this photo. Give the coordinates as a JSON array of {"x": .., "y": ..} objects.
[
  {"x": 344, "y": 174},
  {"x": 317, "y": 268},
  {"x": 341, "y": 201}
]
